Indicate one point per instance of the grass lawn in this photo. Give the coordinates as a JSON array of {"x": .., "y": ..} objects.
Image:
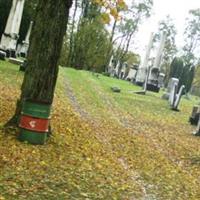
[{"x": 105, "y": 145}]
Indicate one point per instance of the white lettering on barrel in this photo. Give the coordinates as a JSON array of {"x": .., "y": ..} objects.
[{"x": 32, "y": 124}]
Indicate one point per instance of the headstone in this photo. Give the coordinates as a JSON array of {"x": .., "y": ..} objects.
[
  {"x": 142, "y": 70},
  {"x": 15, "y": 61},
  {"x": 170, "y": 87},
  {"x": 10, "y": 36},
  {"x": 23, "y": 66},
  {"x": 175, "y": 96},
  {"x": 161, "y": 79},
  {"x": 153, "y": 83},
  {"x": 116, "y": 70},
  {"x": 114, "y": 67},
  {"x": 197, "y": 132},
  {"x": 2, "y": 55},
  {"x": 18, "y": 50},
  {"x": 111, "y": 65},
  {"x": 123, "y": 71},
  {"x": 25, "y": 45},
  {"x": 194, "y": 118},
  {"x": 132, "y": 74},
  {"x": 116, "y": 89}
]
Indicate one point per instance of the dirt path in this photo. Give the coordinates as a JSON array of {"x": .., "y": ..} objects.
[{"x": 123, "y": 121}]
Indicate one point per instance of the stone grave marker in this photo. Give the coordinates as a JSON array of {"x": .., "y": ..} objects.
[
  {"x": 194, "y": 118},
  {"x": 197, "y": 132}
]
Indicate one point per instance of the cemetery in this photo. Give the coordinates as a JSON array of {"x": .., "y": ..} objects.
[{"x": 85, "y": 116}]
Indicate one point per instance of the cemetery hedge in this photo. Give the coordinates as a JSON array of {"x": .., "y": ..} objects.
[{"x": 105, "y": 145}]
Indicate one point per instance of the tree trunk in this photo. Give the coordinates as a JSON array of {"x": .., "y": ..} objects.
[
  {"x": 110, "y": 50},
  {"x": 71, "y": 43},
  {"x": 113, "y": 31},
  {"x": 127, "y": 46},
  {"x": 45, "y": 47}
]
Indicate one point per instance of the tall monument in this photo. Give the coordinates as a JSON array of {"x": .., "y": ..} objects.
[
  {"x": 11, "y": 34},
  {"x": 25, "y": 44},
  {"x": 143, "y": 69},
  {"x": 155, "y": 70}
]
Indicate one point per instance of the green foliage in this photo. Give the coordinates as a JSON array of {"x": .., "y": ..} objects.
[
  {"x": 176, "y": 68},
  {"x": 192, "y": 36},
  {"x": 190, "y": 78},
  {"x": 187, "y": 77},
  {"x": 184, "y": 78},
  {"x": 91, "y": 44},
  {"x": 197, "y": 76},
  {"x": 196, "y": 82},
  {"x": 88, "y": 42},
  {"x": 65, "y": 52},
  {"x": 91, "y": 11},
  {"x": 184, "y": 72},
  {"x": 139, "y": 10},
  {"x": 131, "y": 58}
]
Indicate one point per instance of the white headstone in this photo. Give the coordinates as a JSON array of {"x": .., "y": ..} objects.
[
  {"x": 171, "y": 84},
  {"x": 197, "y": 132},
  {"x": 123, "y": 71},
  {"x": 116, "y": 69},
  {"x": 11, "y": 33},
  {"x": 178, "y": 98},
  {"x": 132, "y": 74},
  {"x": 155, "y": 70},
  {"x": 161, "y": 79},
  {"x": 25, "y": 45},
  {"x": 173, "y": 92}
]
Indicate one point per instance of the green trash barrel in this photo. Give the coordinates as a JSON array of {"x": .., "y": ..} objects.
[
  {"x": 34, "y": 122},
  {"x": 35, "y": 109}
]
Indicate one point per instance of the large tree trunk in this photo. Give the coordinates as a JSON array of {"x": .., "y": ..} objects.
[{"x": 45, "y": 47}]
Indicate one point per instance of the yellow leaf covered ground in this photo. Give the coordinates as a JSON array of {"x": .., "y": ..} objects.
[{"x": 104, "y": 145}]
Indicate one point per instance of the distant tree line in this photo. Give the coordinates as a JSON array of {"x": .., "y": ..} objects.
[{"x": 89, "y": 45}]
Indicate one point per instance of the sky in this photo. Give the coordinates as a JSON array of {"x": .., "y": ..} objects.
[{"x": 177, "y": 9}]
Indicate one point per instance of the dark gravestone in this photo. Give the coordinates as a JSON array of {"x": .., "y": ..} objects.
[
  {"x": 2, "y": 55},
  {"x": 194, "y": 118},
  {"x": 116, "y": 89},
  {"x": 197, "y": 132},
  {"x": 153, "y": 87},
  {"x": 152, "y": 81},
  {"x": 23, "y": 55},
  {"x": 12, "y": 53},
  {"x": 23, "y": 66}
]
